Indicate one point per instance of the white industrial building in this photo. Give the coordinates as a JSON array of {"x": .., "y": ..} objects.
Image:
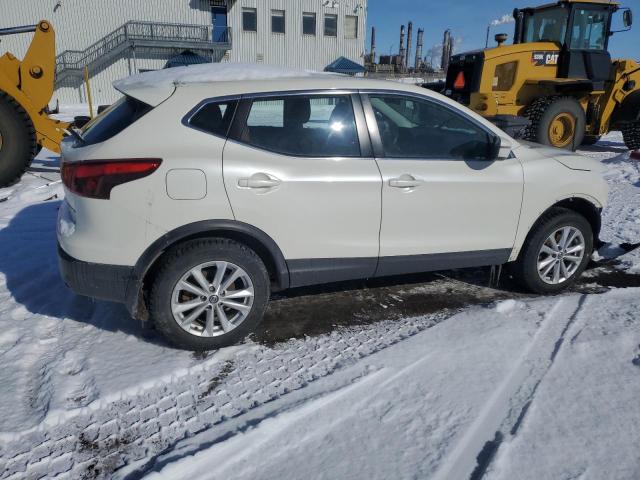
[{"x": 117, "y": 38}]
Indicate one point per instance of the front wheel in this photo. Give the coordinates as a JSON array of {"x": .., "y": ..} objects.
[
  {"x": 556, "y": 252},
  {"x": 209, "y": 294},
  {"x": 556, "y": 121}
]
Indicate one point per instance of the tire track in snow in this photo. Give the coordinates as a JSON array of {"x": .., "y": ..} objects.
[
  {"x": 485, "y": 434},
  {"x": 94, "y": 441}
]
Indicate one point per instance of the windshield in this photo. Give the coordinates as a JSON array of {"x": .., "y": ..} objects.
[{"x": 546, "y": 25}]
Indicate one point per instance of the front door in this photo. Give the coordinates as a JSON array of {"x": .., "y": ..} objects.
[
  {"x": 293, "y": 168},
  {"x": 220, "y": 26},
  {"x": 444, "y": 205}
]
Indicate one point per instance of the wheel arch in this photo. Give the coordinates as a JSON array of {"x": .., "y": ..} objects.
[
  {"x": 146, "y": 267},
  {"x": 580, "y": 205}
]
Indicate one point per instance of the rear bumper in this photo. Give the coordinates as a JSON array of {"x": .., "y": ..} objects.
[{"x": 95, "y": 280}]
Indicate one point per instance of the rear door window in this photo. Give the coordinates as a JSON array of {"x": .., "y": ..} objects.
[
  {"x": 114, "y": 120},
  {"x": 303, "y": 125}
]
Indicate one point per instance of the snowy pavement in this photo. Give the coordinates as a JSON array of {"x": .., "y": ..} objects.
[{"x": 432, "y": 376}]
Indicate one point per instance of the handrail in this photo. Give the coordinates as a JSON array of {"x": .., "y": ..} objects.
[
  {"x": 15, "y": 30},
  {"x": 132, "y": 32}
]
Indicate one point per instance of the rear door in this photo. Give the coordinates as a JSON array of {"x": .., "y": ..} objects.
[
  {"x": 445, "y": 203},
  {"x": 296, "y": 167}
]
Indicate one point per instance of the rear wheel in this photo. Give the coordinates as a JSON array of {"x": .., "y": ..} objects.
[
  {"x": 17, "y": 141},
  {"x": 209, "y": 294},
  {"x": 556, "y": 121},
  {"x": 556, "y": 252},
  {"x": 631, "y": 135}
]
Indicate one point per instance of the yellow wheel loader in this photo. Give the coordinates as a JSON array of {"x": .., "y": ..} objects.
[
  {"x": 557, "y": 84},
  {"x": 26, "y": 88}
]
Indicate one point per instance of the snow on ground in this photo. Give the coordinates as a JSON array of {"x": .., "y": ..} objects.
[
  {"x": 558, "y": 385},
  {"x": 67, "y": 113},
  {"x": 517, "y": 388}
]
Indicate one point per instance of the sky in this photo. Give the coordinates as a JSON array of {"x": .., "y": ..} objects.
[{"x": 468, "y": 20}]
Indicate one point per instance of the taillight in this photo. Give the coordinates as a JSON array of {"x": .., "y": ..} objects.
[
  {"x": 460, "y": 82},
  {"x": 96, "y": 179}
]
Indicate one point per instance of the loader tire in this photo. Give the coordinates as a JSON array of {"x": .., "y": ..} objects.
[
  {"x": 556, "y": 121},
  {"x": 17, "y": 141},
  {"x": 631, "y": 135}
]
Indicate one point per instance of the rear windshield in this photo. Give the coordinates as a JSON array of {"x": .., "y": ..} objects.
[{"x": 114, "y": 120}]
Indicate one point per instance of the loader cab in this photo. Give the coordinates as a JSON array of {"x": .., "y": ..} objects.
[{"x": 580, "y": 29}]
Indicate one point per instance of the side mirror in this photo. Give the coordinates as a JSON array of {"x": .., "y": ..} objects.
[
  {"x": 627, "y": 18},
  {"x": 499, "y": 148}
]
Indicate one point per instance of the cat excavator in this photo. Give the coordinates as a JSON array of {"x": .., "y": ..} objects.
[
  {"x": 557, "y": 84},
  {"x": 26, "y": 88}
]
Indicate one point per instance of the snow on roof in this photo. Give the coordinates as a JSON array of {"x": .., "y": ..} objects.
[
  {"x": 211, "y": 72},
  {"x": 154, "y": 87}
]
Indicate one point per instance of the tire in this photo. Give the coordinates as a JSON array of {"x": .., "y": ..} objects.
[
  {"x": 17, "y": 141},
  {"x": 589, "y": 140},
  {"x": 631, "y": 135},
  {"x": 178, "y": 263},
  {"x": 525, "y": 269},
  {"x": 547, "y": 111}
]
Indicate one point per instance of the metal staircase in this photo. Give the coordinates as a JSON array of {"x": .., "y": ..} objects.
[{"x": 137, "y": 35}]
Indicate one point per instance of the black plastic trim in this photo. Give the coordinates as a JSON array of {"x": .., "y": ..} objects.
[
  {"x": 318, "y": 271},
  {"x": 208, "y": 227},
  {"x": 95, "y": 280},
  {"x": 405, "y": 264},
  {"x": 366, "y": 149},
  {"x": 372, "y": 126}
]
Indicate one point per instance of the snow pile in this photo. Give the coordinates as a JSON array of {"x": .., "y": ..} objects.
[{"x": 209, "y": 72}]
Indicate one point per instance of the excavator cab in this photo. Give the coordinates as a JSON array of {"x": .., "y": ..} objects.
[
  {"x": 582, "y": 30},
  {"x": 557, "y": 84}
]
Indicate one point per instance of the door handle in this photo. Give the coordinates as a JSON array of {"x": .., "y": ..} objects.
[
  {"x": 405, "y": 181},
  {"x": 259, "y": 180}
]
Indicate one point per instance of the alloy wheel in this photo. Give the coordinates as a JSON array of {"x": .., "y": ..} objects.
[
  {"x": 212, "y": 299},
  {"x": 561, "y": 255}
]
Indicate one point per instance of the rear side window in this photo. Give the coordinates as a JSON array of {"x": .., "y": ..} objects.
[
  {"x": 304, "y": 126},
  {"x": 114, "y": 120},
  {"x": 214, "y": 117}
]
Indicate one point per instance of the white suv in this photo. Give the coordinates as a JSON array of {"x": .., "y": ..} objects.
[{"x": 192, "y": 198}]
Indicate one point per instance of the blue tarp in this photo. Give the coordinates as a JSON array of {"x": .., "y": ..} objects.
[{"x": 344, "y": 65}]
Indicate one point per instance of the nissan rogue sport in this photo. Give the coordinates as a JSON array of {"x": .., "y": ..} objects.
[{"x": 206, "y": 188}]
